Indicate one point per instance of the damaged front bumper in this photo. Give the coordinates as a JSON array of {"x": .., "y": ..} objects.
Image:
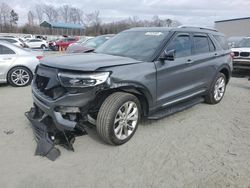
[
  {"x": 55, "y": 122},
  {"x": 47, "y": 135}
]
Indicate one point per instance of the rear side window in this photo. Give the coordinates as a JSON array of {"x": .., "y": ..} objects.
[
  {"x": 201, "y": 44},
  {"x": 182, "y": 46},
  {"x": 5, "y": 50},
  {"x": 222, "y": 41}
]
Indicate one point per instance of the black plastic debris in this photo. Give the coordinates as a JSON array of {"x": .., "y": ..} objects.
[{"x": 47, "y": 135}]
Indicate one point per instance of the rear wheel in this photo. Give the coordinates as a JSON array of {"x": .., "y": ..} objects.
[
  {"x": 118, "y": 118},
  {"x": 43, "y": 47},
  {"x": 217, "y": 90},
  {"x": 19, "y": 76}
]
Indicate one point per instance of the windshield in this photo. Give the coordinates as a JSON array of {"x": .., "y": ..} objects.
[
  {"x": 140, "y": 45},
  {"x": 244, "y": 43},
  {"x": 95, "y": 42}
]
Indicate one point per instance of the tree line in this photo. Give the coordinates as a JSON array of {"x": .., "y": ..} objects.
[{"x": 92, "y": 22}]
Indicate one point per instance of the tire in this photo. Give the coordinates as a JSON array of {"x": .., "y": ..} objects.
[
  {"x": 19, "y": 77},
  {"x": 56, "y": 48},
  {"x": 220, "y": 80},
  {"x": 114, "y": 109},
  {"x": 43, "y": 47}
]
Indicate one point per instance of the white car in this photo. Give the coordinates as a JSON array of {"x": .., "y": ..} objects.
[
  {"x": 17, "y": 65},
  {"x": 14, "y": 41},
  {"x": 242, "y": 55},
  {"x": 36, "y": 43}
]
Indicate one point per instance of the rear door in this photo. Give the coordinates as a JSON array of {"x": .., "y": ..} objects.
[
  {"x": 177, "y": 79},
  {"x": 7, "y": 57},
  {"x": 204, "y": 59}
]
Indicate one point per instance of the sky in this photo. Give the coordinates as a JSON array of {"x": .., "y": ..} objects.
[{"x": 188, "y": 12}]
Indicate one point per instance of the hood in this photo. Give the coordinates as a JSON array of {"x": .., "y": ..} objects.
[
  {"x": 86, "y": 62},
  {"x": 240, "y": 49}
]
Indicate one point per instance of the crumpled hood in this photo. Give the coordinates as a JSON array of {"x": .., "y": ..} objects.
[
  {"x": 86, "y": 62},
  {"x": 240, "y": 49}
]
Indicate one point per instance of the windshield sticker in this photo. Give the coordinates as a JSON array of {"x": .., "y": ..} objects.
[{"x": 153, "y": 33}]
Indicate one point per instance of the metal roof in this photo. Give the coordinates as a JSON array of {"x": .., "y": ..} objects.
[
  {"x": 235, "y": 19},
  {"x": 61, "y": 25}
]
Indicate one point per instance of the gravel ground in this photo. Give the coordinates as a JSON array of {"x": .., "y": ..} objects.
[{"x": 204, "y": 146}]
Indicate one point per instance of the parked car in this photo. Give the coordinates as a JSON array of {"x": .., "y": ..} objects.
[
  {"x": 150, "y": 72},
  {"x": 234, "y": 41},
  {"x": 17, "y": 64},
  {"x": 36, "y": 43},
  {"x": 88, "y": 46},
  {"x": 14, "y": 41},
  {"x": 242, "y": 55},
  {"x": 61, "y": 43}
]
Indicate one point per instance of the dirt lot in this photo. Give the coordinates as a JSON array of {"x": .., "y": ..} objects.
[{"x": 204, "y": 146}]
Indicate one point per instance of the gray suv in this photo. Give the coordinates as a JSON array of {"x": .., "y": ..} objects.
[{"x": 140, "y": 72}]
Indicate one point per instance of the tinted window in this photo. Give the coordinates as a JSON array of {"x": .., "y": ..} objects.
[
  {"x": 222, "y": 41},
  {"x": 4, "y": 50},
  {"x": 182, "y": 46},
  {"x": 71, "y": 39},
  {"x": 201, "y": 45},
  {"x": 34, "y": 40}
]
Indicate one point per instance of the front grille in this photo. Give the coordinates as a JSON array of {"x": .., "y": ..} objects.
[
  {"x": 47, "y": 83},
  {"x": 41, "y": 82},
  {"x": 244, "y": 54},
  {"x": 236, "y": 54}
]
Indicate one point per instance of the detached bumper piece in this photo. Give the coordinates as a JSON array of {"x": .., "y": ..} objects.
[{"x": 47, "y": 135}]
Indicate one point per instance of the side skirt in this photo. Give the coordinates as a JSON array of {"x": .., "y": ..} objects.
[{"x": 176, "y": 108}]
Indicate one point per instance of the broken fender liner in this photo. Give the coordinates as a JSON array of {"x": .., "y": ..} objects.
[{"x": 47, "y": 135}]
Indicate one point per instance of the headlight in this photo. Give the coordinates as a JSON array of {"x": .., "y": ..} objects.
[{"x": 82, "y": 80}]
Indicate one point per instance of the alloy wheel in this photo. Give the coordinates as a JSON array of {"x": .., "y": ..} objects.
[
  {"x": 20, "y": 77},
  {"x": 126, "y": 120},
  {"x": 219, "y": 88}
]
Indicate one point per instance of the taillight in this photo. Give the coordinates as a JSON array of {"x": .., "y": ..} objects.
[
  {"x": 232, "y": 55},
  {"x": 39, "y": 57}
]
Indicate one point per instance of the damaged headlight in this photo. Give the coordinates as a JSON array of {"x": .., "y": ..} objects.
[{"x": 82, "y": 80}]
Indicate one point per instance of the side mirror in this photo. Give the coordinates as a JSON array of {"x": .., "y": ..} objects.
[{"x": 168, "y": 55}]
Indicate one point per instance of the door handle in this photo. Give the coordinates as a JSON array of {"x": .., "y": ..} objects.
[
  {"x": 215, "y": 54},
  {"x": 189, "y": 61},
  {"x": 7, "y": 58}
]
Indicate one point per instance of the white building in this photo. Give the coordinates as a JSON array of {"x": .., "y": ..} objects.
[{"x": 234, "y": 27}]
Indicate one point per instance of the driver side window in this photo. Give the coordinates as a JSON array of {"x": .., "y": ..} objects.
[{"x": 182, "y": 46}]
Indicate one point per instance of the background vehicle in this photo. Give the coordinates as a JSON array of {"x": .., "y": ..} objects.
[
  {"x": 151, "y": 72},
  {"x": 14, "y": 41},
  {"x": 17, "y": 64},
  {"x": 242, "y": 55},
  {"x": 89, "y": 45},
  {"x": 36, "y": 43},
  {"x": 62, "y": 43}
]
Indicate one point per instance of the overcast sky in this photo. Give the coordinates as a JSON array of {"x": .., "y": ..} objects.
[{"x": 188, "y": 12}]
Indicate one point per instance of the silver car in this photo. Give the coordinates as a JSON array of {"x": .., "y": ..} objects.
[{"x": 17, "y": 64}]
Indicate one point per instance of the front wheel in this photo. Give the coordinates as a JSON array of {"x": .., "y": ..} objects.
[
  {"x": 217, "y": 90},
  {"x": 118, "y": 118}
]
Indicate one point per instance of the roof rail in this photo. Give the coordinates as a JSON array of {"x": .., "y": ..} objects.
[{"x": 197, "y": 27}]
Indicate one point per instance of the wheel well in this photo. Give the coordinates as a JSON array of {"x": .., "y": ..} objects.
[
  {"x": 226, "y": 73},
  {"x": 96, "y": 104}
]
